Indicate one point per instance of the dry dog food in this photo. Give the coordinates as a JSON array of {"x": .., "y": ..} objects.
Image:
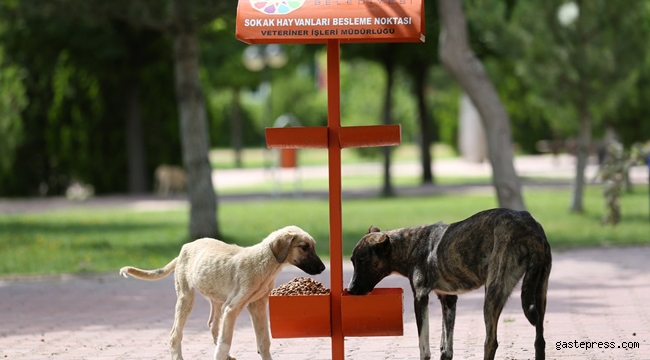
[{"x": 301, "y": 286}]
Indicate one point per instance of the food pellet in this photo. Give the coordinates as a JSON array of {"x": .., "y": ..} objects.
[{"x": 301, "y": 286}]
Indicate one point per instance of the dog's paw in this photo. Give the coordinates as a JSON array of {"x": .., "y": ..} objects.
[
  {"x": 125, "y": 272},
  {"x": 231, "y": 358}
]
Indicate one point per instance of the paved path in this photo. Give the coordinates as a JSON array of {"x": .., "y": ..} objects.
[
  {"x": 560, "y": 169},
  {"x": 531, "y": 166},
  {"x": 595, "y": 295}
]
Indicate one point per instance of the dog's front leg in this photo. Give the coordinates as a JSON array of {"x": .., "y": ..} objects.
[
  {"x": 448, "y": 303},
  {"x": 257, "y": 309},
  {"x": 421, "y": 300},
  {"x": 229, "y": 315}
]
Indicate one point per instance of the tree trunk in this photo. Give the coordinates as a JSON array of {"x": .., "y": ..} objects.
[
  {"x": 426, "y": 133},
  {"x": 582, "y": 156},
  {"x": 468, "y": 70},
  {"x": 387, "y": 188},
  {"x": 236, "y": 123},
  {"x": 138, "y": 179},
  {"x": 194, "y": 135}
]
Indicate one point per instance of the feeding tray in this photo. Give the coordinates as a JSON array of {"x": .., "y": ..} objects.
[
  {"x": 300, "y": 316},
  {"x": 297, "y": 316},
  {"x": 376, "y": 314}
]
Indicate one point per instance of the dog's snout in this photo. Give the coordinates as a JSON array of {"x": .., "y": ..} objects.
[
  {"x": 312, "y": 265},
  {"x": 354, "y": 290},
  {"x": 319, "y": 268},
  {"x": 314, "y": 270}
]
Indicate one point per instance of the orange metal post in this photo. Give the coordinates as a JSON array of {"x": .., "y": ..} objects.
[
  {"x": 334, "y": 138},
  {"x": 334, "y": 163}
]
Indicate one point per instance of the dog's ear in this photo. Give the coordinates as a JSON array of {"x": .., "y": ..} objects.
[
  {"x": 373, "y": 229},
  {"x": 280, "y": 247},
  {"x": 383, "y": 244}
]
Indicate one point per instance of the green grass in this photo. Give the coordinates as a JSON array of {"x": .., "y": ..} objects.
[{"x": 95, "y": 240}]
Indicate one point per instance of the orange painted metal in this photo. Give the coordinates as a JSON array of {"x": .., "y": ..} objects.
[
  {"x": 335, "y": 194},
  {"x": 379, "y": 313},
  {"x": 300, "y": 316},
  {"x": 333, "y": 22},
  {"x": 288, "y": 158},
  {"x": 297, "y": 137},
  {"x": 373, "y": 135},
  {"x": 335, "y": 198},
  {"x": 318, "y": 21}
]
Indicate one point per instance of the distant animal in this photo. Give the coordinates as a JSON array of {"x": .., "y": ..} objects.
[
  {"x": 169, "y": 179},
  {"x": 494, "y": 248},
  {"x": 78, "y": 191},
  {"x": 231, "y": 278}
]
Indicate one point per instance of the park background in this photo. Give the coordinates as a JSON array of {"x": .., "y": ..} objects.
[{"x": 96, "y": 94}]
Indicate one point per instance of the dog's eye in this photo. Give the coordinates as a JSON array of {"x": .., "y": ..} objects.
[{"x": 304, "y": 247}]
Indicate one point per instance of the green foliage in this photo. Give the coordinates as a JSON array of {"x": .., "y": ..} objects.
[
  {"x": 545, "y": 72},
  {"x": 297, "y": 93},
  {"x": 363, "y": 86},
  {"x": 66, "y": 67},
  {"x": 444, "y": 96},
  {"x": 362, "y": 92},
  {"x": 632, "y": 117},
  {"x": 78, "y": 76},
  {"x": 220, "y": 107},
  {"x": 75, "y": 105},
  {"x": 12, "y": 101},
  {"x": 587, "y": 64}
]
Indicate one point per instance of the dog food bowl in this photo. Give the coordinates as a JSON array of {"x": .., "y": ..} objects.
[
  {"x": 299, "y": 316},
  {"x": 376, "y": 314}
]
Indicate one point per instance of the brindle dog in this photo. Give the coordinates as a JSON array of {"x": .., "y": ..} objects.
[{"x": 494, "y": 248}]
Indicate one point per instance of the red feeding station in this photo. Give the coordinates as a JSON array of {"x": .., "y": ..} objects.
[{"x": 333, "y": 22}]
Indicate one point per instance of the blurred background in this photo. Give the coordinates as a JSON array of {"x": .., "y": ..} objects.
[
  {"x": 153, "y": 101},
  {"x": 102, "y": 94}
]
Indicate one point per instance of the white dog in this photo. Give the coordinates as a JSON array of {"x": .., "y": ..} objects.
[{"x": 232, "y": 277}]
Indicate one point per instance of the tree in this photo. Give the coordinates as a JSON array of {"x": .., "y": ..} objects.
[
  {"x": 419, "y": 60},
  {"x": 581, "y": 59},
  {"x": 457, "y": 56},
  {"x": 180, "y": 20},
  {"x": 385, "y": 55},
  {"x": 415, "y": 59},
  {"x": 388, "y": 61}
]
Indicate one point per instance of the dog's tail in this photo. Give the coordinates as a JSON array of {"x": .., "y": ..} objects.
[
  {"x": 149, "y": 274},
  {"x": 535, "y": 285}
]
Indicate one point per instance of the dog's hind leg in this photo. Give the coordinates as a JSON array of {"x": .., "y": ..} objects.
[
  {"x": 534, "y": 288},
  {"x": 540, "y": 308},
  {"x": 494, "y": 302},
  {"x": 448, "y": 303},
  {"x": 184, "y": 304},
  {"x": 213, "y": 321},
  {"x": 502, "y": 278},
  {"x": 257, "y": 309}
]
